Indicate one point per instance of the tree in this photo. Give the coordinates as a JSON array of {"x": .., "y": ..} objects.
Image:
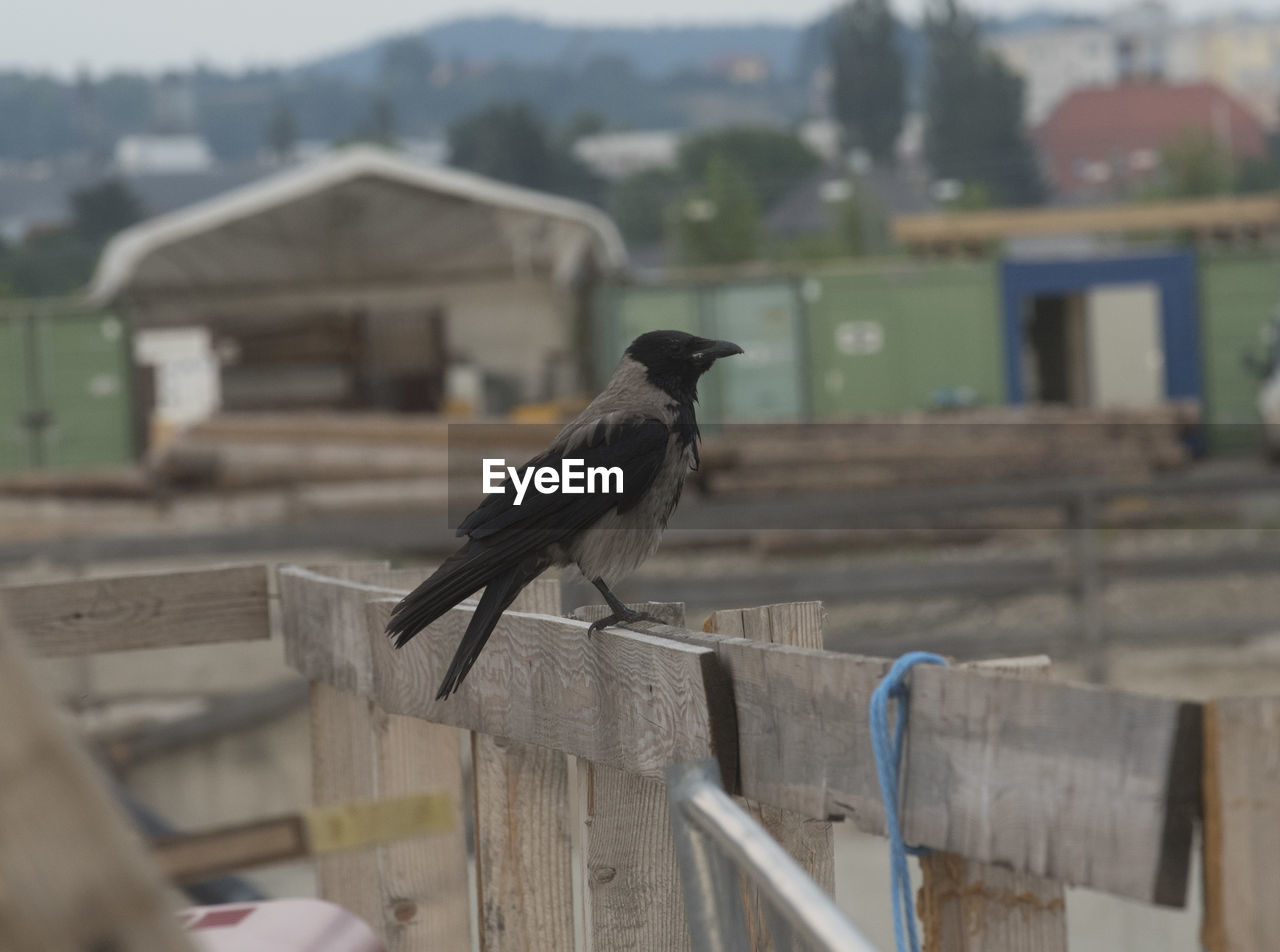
[
  {"x": 103, "y": 209},
  {"x": 641, "y": 204},
  {"x": 973, "y": 114},
  {"x": 720, "y": 224},
  {"x": 1195, "y": 165},
  {"x": 282, "y": 133},
  {"x": 509, "y": 141},
  {"x": 772, "y": 161},
  {"x": 868, "y": 76}
]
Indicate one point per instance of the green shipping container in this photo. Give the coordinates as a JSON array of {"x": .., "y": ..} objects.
[
  {"x": 1239, "y": 296},
  {"x": 903, "y": 336},
  {"x": 65, "y": 398},
  {"x": 765, "y": 383}
]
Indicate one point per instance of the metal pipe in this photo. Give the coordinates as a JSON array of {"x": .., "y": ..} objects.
[
  {"x": 708, "y": 879},
  {"x": 810, "y": 911}
]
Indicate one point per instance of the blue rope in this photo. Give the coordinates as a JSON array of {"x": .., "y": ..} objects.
[{"x": 888, "y": 753}]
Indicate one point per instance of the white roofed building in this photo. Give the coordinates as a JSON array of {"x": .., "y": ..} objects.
[{"x": 357, "y": 279}]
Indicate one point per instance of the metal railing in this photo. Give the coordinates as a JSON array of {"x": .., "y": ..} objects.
[{"x": 715, "y": 841}]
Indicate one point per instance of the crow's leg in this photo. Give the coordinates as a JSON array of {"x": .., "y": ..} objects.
[{"x": 621, "y": 613}]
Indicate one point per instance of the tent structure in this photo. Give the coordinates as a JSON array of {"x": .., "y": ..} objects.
[
  {"x": 361, "y": 217},
  {"x": 350, "y": 280}
]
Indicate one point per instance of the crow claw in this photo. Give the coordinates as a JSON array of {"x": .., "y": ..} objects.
[{"x": 627, "y": 617}]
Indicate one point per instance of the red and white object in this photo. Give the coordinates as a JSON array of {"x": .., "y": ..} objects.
[{"x": 281, "y": 925}]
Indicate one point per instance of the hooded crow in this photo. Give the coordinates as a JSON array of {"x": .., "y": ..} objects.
[{"x": 643, "y": 424}]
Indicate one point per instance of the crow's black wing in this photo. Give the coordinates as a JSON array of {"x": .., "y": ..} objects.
[{"x": 637, "y": 448}]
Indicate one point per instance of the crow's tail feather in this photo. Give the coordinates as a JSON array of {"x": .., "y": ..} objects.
[
  {"x": 463, "y": 574},
  {"x": 498, "y": 594}
]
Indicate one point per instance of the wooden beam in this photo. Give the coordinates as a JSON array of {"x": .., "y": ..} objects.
[
  {"x": 810, "y": 842},
  {"x": 998, "y": 224},
  {"x": 73, "y": 876},
  {"x": 625, "y": 699},
  {"x": 125, "y": 612},
  {"x": 1241, "y": 824},
  {"x": 416, "y": 898},
  {"x": 967, "y": 906},
  {"x": 631, "y": 878},
  {"x": 524, "y": 850},
  {"x": 1117, "y": 775},
  {"x": 1117, "y": 782}
]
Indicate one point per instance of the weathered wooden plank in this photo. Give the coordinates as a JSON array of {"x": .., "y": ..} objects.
[
  {"x": 343, "y": 770},
  {"x": 141, "y": 611},
  {"x": 1241, "y": 824},
  {"x": 809, "y": 842},
  {"x": 425, "y": 897},
  {"x": 632, "y": 880},
  {"x": 966, "y": 906},
  {"x": 621, "y": 698},
  {"x": 1094, "y": 787},
  {"x": 524, "y": 851},
  {"x": 416, "y": 898},
  {"x": 72, "y": 875},
  {"x": 196, "y": 857},
  {"x": 631, "y": 876},
  {"x": 323, "y": 643}
]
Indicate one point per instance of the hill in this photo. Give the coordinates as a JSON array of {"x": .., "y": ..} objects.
[{"x": 654, "y": 51}]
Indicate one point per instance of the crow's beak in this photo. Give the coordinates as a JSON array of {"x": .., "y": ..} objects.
[{"x": 715, "y": 349}]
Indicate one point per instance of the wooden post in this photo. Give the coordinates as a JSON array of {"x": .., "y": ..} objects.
[
  {"x": 72, "y": 876},
  {"x": 414, "y": 895},
  {"x": 632, "y": 900},
  {"x": 1241, "y": 824},
  {"x": 810, "y": 842},
  {"x": 524, "y": 857},
  {"x": 967, "y": 906}
]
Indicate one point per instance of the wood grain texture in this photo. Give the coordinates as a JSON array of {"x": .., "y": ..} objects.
[
  {"x": 141, "y": 611},
  {"x": 1081, "y": 784},
  {"x": 414, "y": 893},
  {"x": 1241, "y": 824},
  {"x": 633, "y": 899},
  {"x": 1071, "y": 782},
  {"x": 321, "y": 618},
  {"x": 622, "y": 698},
  {"x": 809, "y": 842},
  {"x": 524, "y": 853},
  {"x": 343, "y": 770},
  {"x": 967, "y": 906},
  {"x": 73, "y": 877},
  {"x": 425, "y": 898}
]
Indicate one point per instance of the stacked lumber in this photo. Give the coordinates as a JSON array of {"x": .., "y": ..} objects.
[
  {"x": 987, "y": 446},
  {"x": 243, "y": 451}
]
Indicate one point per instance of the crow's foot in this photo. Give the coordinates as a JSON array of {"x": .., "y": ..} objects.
[{"x": 627, "y": 616}]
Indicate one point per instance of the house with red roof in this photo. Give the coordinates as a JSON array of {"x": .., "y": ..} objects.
[{"x": 1105, "y": 141}]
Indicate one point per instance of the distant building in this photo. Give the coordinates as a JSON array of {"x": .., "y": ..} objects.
[
  {"x": 617, "y": 155},
  {"x": 1240, "y": 54},
  {"x": 162, "y": 154},
  {"x": 364, "y": 278},
  {"x": 1143, "y": 42},
  {"x": 741, "y": 68},
  {"x": 1101, "y": 142}
]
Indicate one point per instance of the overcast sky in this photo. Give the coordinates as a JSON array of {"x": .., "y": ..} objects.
[{"x": 64, "y": 35}]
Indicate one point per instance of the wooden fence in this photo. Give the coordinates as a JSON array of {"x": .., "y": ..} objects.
[{"x": 553, "y": 753}]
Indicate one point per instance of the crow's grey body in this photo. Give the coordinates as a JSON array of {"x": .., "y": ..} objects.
[
  {"x": 618, "y": 542},
  {"x": 643, "y": 424}
]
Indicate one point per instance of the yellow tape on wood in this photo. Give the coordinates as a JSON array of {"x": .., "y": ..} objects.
[{"x": 349, "y": 826}]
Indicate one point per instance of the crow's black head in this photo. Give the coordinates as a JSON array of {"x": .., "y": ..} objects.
[{"x": 674, "y": 360}]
